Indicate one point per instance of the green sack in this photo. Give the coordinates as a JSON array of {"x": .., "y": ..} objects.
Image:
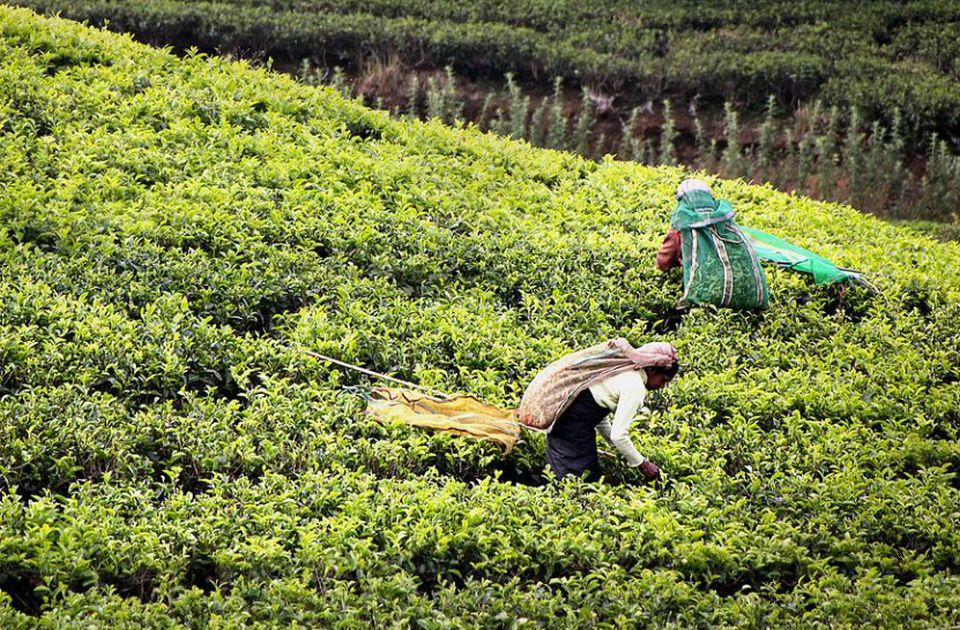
[
  {"x": 785, "y": 254},
  {"x": 719, "y": 265}
]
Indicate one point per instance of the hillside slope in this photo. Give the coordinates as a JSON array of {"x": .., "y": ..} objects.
[
  {"x": 882, "y": 57},
  {"x": 175, "y": 232}
]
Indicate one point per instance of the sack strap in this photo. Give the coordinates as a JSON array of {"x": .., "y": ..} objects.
[
  {"x": 357, "y": 368},
  {"x": 728, "y": 215}
]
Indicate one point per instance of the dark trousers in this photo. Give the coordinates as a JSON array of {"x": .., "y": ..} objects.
[{"x": 572, "y": 442}]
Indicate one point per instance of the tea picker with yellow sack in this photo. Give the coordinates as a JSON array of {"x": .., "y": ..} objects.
[
  {"x": 573, "y": 397},
  {"x": 570, "y": 400}
]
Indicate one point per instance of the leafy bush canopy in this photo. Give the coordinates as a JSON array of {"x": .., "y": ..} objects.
[
  {"x": 884, "y": 58},
  {"x": 175, "y": 232}
]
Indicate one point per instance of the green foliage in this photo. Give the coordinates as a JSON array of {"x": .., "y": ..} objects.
[
  {"x": 585, "y": 121},
  {"x": 768, "y": 138},
  {"x": 557, "y": 134},
  {"x": 704, "y": 149},
  {"x": 629, "y": 138},
  {"x": 338, "y": 81},
  {"x": 500, "y": 125},
  {"x": 827, "y": 157},
  {"x": 881, "y": 57},
  {"x": 733, "y": 161},
  {"x": 452, "y": 103},
  {"x": 537, "y": 122},
  {"x": 485, "y": 110},
  {"x": 934, "y": 229},
  {"x": 941, "y": 185},
  {"x": 443, "y": 100},
  {"x": 176, "y": 232},
  {"x": 519, "y": 109},
  {"x": 890, "y": 62},
  {"x": 853, "y": 156},
  {"x": 436, "y": 105},
  {"x": 413, "y": 96},
  {"x": 668, "y": 136}
]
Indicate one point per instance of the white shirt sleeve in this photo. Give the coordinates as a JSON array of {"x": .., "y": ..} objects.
[{"x": 631, "y": 391}]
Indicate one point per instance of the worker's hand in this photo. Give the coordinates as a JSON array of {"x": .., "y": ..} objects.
[{"x": 649, "y": 469}]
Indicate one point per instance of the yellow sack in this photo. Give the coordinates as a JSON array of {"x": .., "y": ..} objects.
[{"x": 462, "y": 415}]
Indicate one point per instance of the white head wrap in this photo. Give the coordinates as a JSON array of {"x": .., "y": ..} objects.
[{"x": 692, "y": 184}]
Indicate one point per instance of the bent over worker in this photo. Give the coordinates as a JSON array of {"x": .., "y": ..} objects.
[
  {"x": 719, "y": 263},
  {"x": 573, "y": 397}
]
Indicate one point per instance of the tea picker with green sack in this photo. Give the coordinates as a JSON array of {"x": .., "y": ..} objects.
[
  {"x": 572, "y": 398},
  {"x": 719, "y": 263}
]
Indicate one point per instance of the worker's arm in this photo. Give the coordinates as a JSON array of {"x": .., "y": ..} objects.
[
  {"x": 669, "y": 255},
  {"x": 617, "y": 433}
]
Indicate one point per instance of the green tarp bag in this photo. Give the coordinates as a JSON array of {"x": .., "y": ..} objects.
[
  {"x": 785, "y": 254},
  {"x": 719, "y": 265}
]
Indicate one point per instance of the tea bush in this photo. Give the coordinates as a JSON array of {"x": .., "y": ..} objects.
[
  {"x": 886, "y": 143},
  {"x": 176, "y": 233},
  {"x": 882, "y": 57}
]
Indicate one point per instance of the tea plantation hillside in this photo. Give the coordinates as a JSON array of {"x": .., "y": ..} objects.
[
  {"x": 175, "y": 233},
  {"x": 890, "y": 60}
]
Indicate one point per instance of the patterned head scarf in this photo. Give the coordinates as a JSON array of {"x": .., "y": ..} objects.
[{"x": 656, "y": 354}]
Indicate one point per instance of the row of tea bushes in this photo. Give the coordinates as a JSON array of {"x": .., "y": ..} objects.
[
  {"x": 883, "y": 57},
  {"x": 831, "y": 154}
]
